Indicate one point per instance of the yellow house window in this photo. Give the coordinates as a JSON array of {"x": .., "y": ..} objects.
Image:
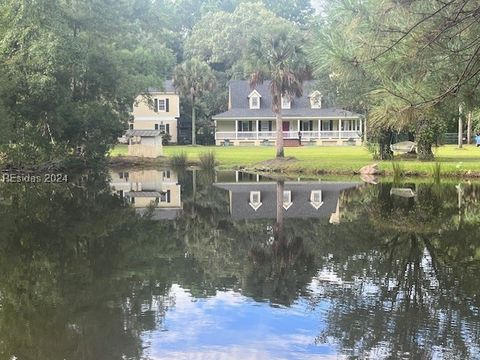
[{"x": 161, "y": 105}]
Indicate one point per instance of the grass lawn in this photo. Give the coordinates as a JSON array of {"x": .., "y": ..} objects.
[{"x": 342, "y": 159}]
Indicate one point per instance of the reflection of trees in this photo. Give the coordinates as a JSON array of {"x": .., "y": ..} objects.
[
  {"x": 239, "y": 254},
  {"x": 405, "y": 293},
  {"x": 280, "y": 269},
  {"x": 66, "y": 288}
]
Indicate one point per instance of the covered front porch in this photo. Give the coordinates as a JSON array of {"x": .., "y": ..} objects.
[{"x": 315, "y": 132}]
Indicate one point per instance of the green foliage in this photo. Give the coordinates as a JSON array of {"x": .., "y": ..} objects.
[
  {"x": 398, "y": 171},
  {"x": 207, "y": 160},
  {"x": 192, "y": 79},
  {"x": 373, "y": 149},
  {"x": 221, "y": 38},
  {"x": 166, "y": 139},
  {"x": 71, "y": 73},
  {"x": 437, "y": 172},
  {"x": 391, "y": 60},
  {"x": 280, "y": 59},
  {"x": 179, "y": 159}
]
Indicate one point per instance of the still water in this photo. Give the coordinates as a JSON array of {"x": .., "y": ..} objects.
[{"x": 147, "y": 264}]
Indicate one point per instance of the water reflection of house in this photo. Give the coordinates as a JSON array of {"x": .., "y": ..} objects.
[
  {"x": 258, "y": 200},
  {"x": 149, "y": 188}
]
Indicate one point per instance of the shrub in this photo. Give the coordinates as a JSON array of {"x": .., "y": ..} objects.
[
  {"x": 207, "y": 160},
  {"x": 166, "y": 138},
  {"x": 373, "y": 149},
  {"x": 437, "y": 172},
  {"x": 179, "y": 159},
  {"x": 398, "y": 171}
]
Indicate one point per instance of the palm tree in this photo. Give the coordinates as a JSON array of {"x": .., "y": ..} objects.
[
  {"x": 193, "y": 78},
  {"x": 279, "y": 58}
]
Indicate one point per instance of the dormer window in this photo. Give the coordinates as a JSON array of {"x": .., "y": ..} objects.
[
  {"x": 286, "y": 102},
  {"x": 255, "y": 200},
  {"x": 287, "y": 199},
  {"x": 315, "y": 100},
  {"x": 254, "y": 99},
  {"x": 316, "y": 198}
]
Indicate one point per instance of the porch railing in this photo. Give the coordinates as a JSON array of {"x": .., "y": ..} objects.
[{"x": 261, "y": 135}]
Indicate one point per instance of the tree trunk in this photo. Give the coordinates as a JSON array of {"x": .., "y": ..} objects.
[
  {"x": 425, "y": 139},
  {"x": 384, "y": 141},
  {"x": 424, "y": 150},
  {"x": 460, "y": 128},
  {"x": 194, "y": 130},
  {"x": 469, "y": 128},
  {"x": 279, "y": 222},
  {"x": 279, "y": 139}
]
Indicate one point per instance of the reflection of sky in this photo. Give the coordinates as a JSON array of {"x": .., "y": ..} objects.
[{"x": 231, "y": 326}]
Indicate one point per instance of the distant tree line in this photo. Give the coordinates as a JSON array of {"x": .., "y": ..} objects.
[{"x": 70, "y": 71}]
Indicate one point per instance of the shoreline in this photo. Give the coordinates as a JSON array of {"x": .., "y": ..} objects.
[{"x": 288, "y": 168}]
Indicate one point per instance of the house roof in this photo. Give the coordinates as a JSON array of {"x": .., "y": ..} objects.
[
  {"x": 167, "y": 88},
  {"x": 143, "y": 133},
  {"x": 300, "y": 107},
  {"x": 300, "y": 196},
  {"x": 139, "y": 194}
]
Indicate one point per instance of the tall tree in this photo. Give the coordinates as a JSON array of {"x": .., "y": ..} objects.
[
  {"x": 416, "y": 58},
  {"x": 72, "y": 71},
  {"x": 281, "y": 60},
  {"x": 192, "y": 79}
]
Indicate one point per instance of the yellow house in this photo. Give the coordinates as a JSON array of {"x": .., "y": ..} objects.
[
  {"x": 146, "y": 188},
  {"x": 157, "y": 110}
]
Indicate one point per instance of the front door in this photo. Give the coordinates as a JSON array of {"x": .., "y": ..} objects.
[{"x": 286, "y": 126}]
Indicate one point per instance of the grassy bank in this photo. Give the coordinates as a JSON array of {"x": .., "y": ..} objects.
[{"x": 339, "y": 160}]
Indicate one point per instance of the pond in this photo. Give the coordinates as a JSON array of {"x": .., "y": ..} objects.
[{"x": 176, "y": 264}]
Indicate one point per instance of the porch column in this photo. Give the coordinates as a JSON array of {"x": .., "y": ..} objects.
[
  {"x": 339, "y": 128},
  {"x": 298, "y": 125},
  {"x": 256, "y": 126},
  {"x": 319, "y": 127},
  {"x": 236, "y": 129}
]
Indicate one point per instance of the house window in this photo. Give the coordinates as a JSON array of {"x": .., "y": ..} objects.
[
  {"x": 165, "y": 196},
  {"x": 326, "y": 125},
  {"x": 160, "y": 127},
  {"x": 316, "y": 100},
  {"x": 286, "y": 103},
  {"x": 245, "y": 126},
  {"x": 161, "y": 105},
  {"x": 254, "y": 102},
  {"x": 255, "y": 197},
  {"x": 306, "y": 125},
  {"x": 166, "y": 174},
  {"x": 287, "y": 199},
  {"x": 316, "y": 198},
  {"x": 265, "y": 125},
  {"x": 255, "y": 200}
]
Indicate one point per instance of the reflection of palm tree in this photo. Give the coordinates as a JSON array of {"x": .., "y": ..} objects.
[{"x": 279, "y": 267}]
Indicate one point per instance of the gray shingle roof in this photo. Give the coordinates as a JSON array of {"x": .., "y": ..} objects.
[
  {"x": 167, "y": 87},
  {"x": 300, "y": 197},
  {"x": 144, "y": 133},
  {"x": 300, "y": 107}
]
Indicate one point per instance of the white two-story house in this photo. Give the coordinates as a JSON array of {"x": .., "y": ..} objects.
[{"x": 251, "y": 121}]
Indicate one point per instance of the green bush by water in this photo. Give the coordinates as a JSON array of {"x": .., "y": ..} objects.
[
  {"x": 398, "y": 171},
  {"x": 207, "y": 160},
  {"x": 179, "y": 159}
]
